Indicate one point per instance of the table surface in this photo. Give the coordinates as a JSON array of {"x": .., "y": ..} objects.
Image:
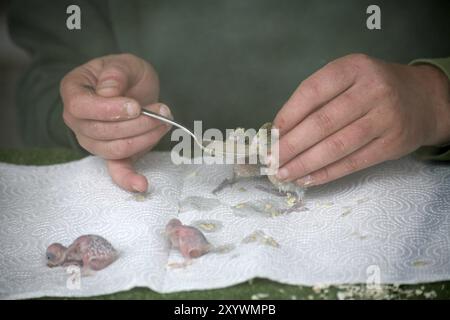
[{"x": 254, "y": 289}]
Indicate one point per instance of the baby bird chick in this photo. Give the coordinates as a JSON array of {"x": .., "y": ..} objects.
[
  {"x": 190, "y": 241},
  {"x": 91, "y": 252}
]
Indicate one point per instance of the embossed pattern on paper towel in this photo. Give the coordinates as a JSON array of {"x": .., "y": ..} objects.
[{"x": 395, "y": 216}]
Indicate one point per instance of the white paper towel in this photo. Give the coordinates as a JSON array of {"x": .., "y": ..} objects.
[{"x": 391, "y": 222}]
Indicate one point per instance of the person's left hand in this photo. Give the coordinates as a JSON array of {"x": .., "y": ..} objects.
[{"x": 357, "y": 112}]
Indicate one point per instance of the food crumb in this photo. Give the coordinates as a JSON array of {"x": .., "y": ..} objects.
[
  {"x": 261, "y": 238},
  {"x": 192, "y": 174},
  {"x": 207, "y": 225},
  {"x": 291, "y": 199},
  {"x": 347, "y": 211},
  {"x": 362, "y": 200},
  {"x": 420, "y": 263},
  {"x": 326, "y": 204},
  {"x": 140, "y": 197},
  {"x": 223, "y": 249},
  {"x": 179, "y": 265}
]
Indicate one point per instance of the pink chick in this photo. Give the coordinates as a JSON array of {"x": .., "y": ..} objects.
[
  {"x": 189, "y": 240},
  {"x": 91, "y": 252}
]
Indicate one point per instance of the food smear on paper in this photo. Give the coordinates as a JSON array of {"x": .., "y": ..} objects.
[
  {"x": 260, "y": 237},
  {"x": 208, "y": 225}
]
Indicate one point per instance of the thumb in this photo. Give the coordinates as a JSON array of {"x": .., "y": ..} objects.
[
  {"x": 113, "y": 80},
  {"x": 124, "y": 175}
]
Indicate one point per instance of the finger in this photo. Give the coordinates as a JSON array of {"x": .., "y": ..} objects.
[
  {"x": 114, "y": 80},
  {"x": 125, "y": 176},
  {"x": 319, "y": 88},
  {"x": 122, "y": 148},
  {"x": 333, "y": 148},
  {"x": 335, "y": 115},
  {"x": 106, "y": 131},
  {"x": 367, "y": 156},
  {"x": 127, "y": 75},
  {"x": 81, "y": 102},
  {"x": 118, "y": 74}
]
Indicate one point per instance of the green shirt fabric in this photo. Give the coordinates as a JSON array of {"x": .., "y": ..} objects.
[{"x": 229, "y": 63}]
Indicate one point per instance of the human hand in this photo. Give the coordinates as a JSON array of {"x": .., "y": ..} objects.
[
  {"x": 102, "y": 105},
  {"x": 356, "y": 112}
]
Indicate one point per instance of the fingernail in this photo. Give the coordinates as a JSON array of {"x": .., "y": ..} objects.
[
  {"x": 108, "y": 84},
  {"x": 165, "y": 111},
  {"x": 282, "y": 174},
  {"x": 305, "y": 181},
  {"x": 132, "y": 109}
]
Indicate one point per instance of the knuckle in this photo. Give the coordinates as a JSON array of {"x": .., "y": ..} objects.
[
  {"x": 298, "y": 166},
  {"x": 128, "y": 56},
  {"x": 351, "y": 164},
  {"x": 323, "y": 122},
  {"x": 383, "y": 87},
  {"x": 322, "y": 175},
  {"x": 114, "y": 72},
  {"x": 392, "y": 94},
  {"x": 109, "y": 111},
  {"x": 347, "y": 99},
  {"x": 309, "y": 89},
  {"x": 362, "y": 129},
  {"x": 119, "y": 149},
  {"x": 336, "y": 147},
  {"x": 363, "y": 64},
  {"x": 98, "y": 130},
  {"x": 288, "y": 146},
  {"x": 280, "y": 121},
  {"x": 361, "y": 58}
]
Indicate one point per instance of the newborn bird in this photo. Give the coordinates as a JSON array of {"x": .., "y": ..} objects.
[
  {"x": 189, "y": 240},
  {"x": 90, "y": 252}
]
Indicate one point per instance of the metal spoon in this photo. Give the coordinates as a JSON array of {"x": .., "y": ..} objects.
[{"x": 176, "y": 124}]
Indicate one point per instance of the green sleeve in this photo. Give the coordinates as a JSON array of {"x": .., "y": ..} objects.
[
  {"x": 435, "y": 153},
  {"x": 40, "y": 28}
]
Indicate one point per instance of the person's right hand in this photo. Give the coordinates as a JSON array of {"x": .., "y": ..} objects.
[{"x": 102, "y": 105}]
